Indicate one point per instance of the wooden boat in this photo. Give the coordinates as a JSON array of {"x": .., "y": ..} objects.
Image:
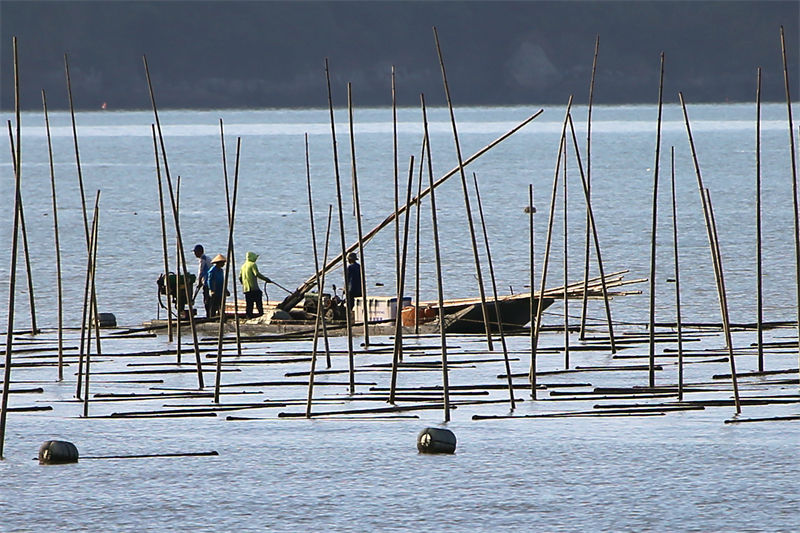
[{"x": 466, "y": 315}]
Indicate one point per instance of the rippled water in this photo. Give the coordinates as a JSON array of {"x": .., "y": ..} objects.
[{"x": 685, "y": 471}]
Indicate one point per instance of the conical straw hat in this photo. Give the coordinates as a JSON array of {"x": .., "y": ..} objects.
[{"x": 218, "y": 258}]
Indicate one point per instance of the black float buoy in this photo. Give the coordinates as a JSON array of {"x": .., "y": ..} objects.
[
  {"x": 436, "y": 440},
  {"x": 57, "y": 452},
  {"x": 106, "y": 320}
]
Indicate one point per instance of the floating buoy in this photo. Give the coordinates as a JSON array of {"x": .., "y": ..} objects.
[
  {"x": 57, "y": 452},
  {"x": 436, "y": 440},
  {"x": 106, "y": 320}
]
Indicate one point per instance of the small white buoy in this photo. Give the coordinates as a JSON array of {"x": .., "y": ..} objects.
[
  {"x": 436, "y": 440},
  {"x": 57, "y": 452}
]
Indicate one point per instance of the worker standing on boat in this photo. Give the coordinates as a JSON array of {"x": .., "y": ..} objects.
[
  {"x": 249, "y": 276},
  {"x": 203, "y": 264},
  {"x": 353, "y": 279},
  {"x": 215, "y": 283}
]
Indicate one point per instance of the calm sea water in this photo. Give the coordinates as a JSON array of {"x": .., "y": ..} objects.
[{"x": 686, "y": 471}]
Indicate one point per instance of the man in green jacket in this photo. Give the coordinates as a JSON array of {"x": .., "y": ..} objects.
[{"x": 249, "y": 276}]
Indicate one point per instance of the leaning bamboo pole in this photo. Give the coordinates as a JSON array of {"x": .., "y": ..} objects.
[
  {"x": 595, "y": 238},
  {"x": 677, "y": 276},
  {"x": 357, "y": 202},
  {"x": 536, "y": 325},
  {"x": 93, "y": 319},
  {"x": 467, "y": 208},
  {"x": 167, "y": 288},
  {"x": 795, "y": 198},
  {"x": 652, "y": 326},
  {"x": 59, "y": 285},
  {"x": 726, "y": 323},
  {"x": 437, "y": 255},
  {"x": 291, "y": 300},
  {"x": 711, "y": 243},
  {"x": 12, "y": 276},
  {"x": 231, "y": 254},
  {"x": 179, "y": 239},
  {"x": 532, "y": 263},
  {"x": 759, "y": 271},
  {"x": 83, "y": 210},
  {"x": 416, "y": 239},
  {"x": 231, "y": 221},
  {"x": 348, "y": 318},
  {"x": 497, "y": 312},
  {"x": 320, "y": 318},
  {"x": 585, "y": 299},
  {"x": 397, "y": 351},
  {"x": 566, "y": 258}
]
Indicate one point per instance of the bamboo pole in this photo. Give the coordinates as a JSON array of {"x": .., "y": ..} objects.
[
  {"x": 677, "y": 275},
  {"x": 566, "y": 260},
  {"x": 348, "y": 319},
  {"x": 439, "y": 289},
  {"x": 416, "y": 240},
  {"x": 584, "y": 303},
  {"x": 231, "y": 256},
  {"x": 178, "y": 248},
  {"x": 715, "y": 259},
  {"x": 357, "y": 202},
  {"x": 497, "y": 312},
  {"x": 231, "y": 221},
  {"x": 179, "y": 239},
  {"x": 395, "y": 164},
  {"x": 320, "y": 287},
  {"x": 546, "y": 260},
  {"x": 532, "y": 263},
  {"x": 59, "y": 286},
  {"x": 759, "y": 271},
  {"x": 656, "y": 165},
  {"x": 468, "y": 210},
  {"x": 13, "y": 270},
  {"x": 594, "y": 238},
  {"x": 163, "y": 235},
  {"x": 397, "y": 352},
  {"x": 83, "y": 209},
  {"x": 297, "y": 295},
  {"x": 93, "y": 317},
  {"x": 794, "y": 184},
  {"x": 723, "y": 301}
]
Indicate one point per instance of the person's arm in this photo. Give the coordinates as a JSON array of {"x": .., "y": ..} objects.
[{"x": 259, "y": 275}]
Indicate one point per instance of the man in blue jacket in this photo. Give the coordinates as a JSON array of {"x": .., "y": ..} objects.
[{"x": 215, "y": 282}]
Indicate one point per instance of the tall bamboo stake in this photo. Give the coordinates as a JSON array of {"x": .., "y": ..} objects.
[
  {"x": 395, "y": 164},
  {"x": 163, "y": 235},
  {"x": 532, "y": 263},
  {"x": 59, "y": 287},
  {"x": 795, "y": 198},
  {"x": 467, "y": 208},
  {"x": 566, "y": 261},
  {"x": 12, "y": 276},
  {"x": 677, "y": 275},
  {"x": 497, "y": 312},
  {"x": 348, "y": 318},
  {"x": 357, "y": 202},
  {"x": 595, "y": 238},
  {"x": 291, "y": 300},
  {"x": 178, "y": 249},
  {"x": 759, "y": 271},
  {"x": 536, "y": 325},
  {"x": 711, "y": 243},
  {"x": 83, "y": 210},
  {"x": 723, "y": 302},
  {"x": 652, "y": 326},
  {"x": 93, "y": 316},
  {"x": 179, "y": 239},
  {"x": 397, "y": 353},
  {"x": 585, "y": 299},
  {"x": 416, "y": 240},
  {"x": 231, "y": 220},
  {"x": 320, "y": 318},
  {"x": 231, "y": 256},
  {"x": 439, "y": 289}
]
